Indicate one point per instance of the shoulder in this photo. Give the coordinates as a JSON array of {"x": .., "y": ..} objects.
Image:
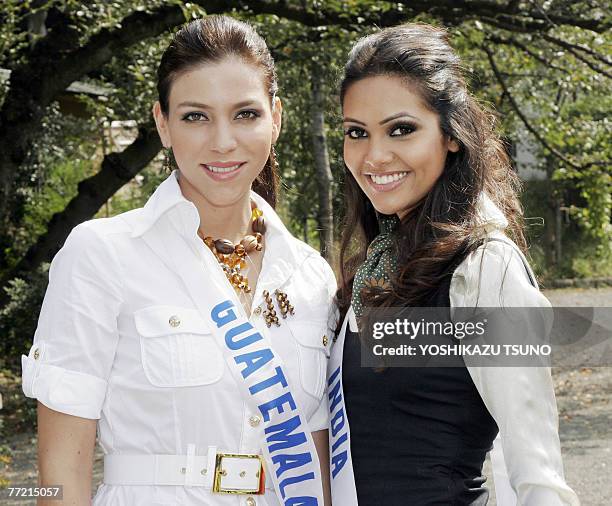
[
  {"x": 108, "y": 228},
  {"x": 315, "y": 263},
  {"x": 103, "y": 231},
  {"x": 495, "y": 274},
  {"x": 91, "y": 247}
]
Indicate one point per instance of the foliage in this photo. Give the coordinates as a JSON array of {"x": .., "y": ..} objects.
[
  {"x": 563, "y": 99},
  {"x": 583, "y": 256},
  {"x": 18, "y": 318},
  {"x": 18, "y": 413},
  {"x": 66, "y": 153}
]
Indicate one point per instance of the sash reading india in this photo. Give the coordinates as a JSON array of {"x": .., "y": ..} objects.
[
  {"x": 342, "y": 477},
  {"x": 288, "y": 444}
]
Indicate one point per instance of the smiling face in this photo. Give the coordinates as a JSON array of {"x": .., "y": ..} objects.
[
  {"x": 393, "y": 143},
  {"x": 221, "y": 126}
]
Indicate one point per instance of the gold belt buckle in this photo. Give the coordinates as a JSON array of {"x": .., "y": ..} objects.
[{"x": 220, "y": 472}]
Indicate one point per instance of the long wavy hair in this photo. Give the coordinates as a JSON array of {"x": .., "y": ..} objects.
[
  {"x": 443, "y": 229},
  {"x": 210, "y": 40}
]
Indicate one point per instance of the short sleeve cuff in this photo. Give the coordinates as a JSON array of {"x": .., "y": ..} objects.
[{"x": 71, "y": 392}]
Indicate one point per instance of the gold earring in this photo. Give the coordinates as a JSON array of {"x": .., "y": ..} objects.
[{"x": 169, "y": 161}]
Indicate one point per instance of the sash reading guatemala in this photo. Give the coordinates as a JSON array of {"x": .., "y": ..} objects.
[{"x": 258, "y": 371}]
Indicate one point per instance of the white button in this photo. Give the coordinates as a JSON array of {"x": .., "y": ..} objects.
[
  {"x": 250, "y": 501},
  {"x": 174, "y": 321},
  {"x": 36, "y": 354},
  {"x": 257, "y": 311},
  {"x": 254, "y": 421}
]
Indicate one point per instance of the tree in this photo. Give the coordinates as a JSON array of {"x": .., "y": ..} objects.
[{"x": 70, "y": 49}]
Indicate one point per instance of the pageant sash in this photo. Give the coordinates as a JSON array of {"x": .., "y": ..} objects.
[
  {"x": 260, "y": 374},
  {"x": 341, "y": 466}
]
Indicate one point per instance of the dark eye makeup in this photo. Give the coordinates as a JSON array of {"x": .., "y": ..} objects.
[
  {"x": 248, "y": 114},
  {"x": 402, "y": 129},
  {"x": 194, "y": 117},
  {"x": 396, "y": 130},
  {"x": 355, "y": 132}
]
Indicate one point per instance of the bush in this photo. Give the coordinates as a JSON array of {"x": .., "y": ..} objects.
[
  {"x": 19, "y": 317},
  {"x": 583, "y": 256},
  {"x": 18, "y": 413}
]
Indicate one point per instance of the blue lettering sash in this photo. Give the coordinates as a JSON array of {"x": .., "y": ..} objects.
[
  {"x": 260, "y": 375},
  {"x": 341, "y": 467}
]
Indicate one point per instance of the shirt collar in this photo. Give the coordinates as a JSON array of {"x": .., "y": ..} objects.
[
  {"x": 167, "y": 196},
  {"x": 169, "y": 199}
]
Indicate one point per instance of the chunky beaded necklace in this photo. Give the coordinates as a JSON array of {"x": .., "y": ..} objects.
[{"x": 232, "y": 257}]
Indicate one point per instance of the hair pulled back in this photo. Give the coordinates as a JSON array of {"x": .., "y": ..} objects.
[{"x": 210, "y": 40}]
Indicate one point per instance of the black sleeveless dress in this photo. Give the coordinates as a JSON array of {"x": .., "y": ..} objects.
[{"x": 419, "y": 436}]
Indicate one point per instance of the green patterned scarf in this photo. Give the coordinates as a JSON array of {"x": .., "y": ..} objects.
[{"x": 380, "y": 263}]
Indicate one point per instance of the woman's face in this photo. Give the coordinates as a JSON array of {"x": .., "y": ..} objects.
[
  {"x": 393, "y": 143},
  {"x": 220, "y": 126}
]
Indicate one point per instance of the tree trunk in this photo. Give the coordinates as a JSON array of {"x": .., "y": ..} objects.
[
  {"x": 558, "y": 229},
  {"x": 549, "y": 219},
  {"x": 305, "y": 228},
  {"x": 117, "y": 169},
  {"x": 325, "y": 216}
]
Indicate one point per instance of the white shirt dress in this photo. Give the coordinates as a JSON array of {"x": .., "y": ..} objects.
[{"x": 120, "y": 340}]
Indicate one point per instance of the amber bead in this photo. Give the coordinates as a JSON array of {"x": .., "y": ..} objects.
[{"x": 249, "y": 243}]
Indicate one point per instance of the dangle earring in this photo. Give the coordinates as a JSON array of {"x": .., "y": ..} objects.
[
  {"x": 270, "y": 314},
  {"x": 169, "y": 162},
  {"x": 284, "y": 304}
]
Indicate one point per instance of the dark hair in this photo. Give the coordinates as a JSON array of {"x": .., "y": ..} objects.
[
  {"x": 441, "y": 230},
  {"x": 212, "y": 39}
]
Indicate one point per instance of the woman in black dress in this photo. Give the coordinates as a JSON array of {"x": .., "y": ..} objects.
[{"x": 433, "y": 219}]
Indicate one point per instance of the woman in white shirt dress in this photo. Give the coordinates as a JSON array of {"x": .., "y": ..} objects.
[
  {"x": 433, "y": 220},
  {"x": 193, "y": 332}
]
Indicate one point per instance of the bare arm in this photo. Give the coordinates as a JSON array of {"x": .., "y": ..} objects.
[
  {"x": 65, "y": 455},
  {"x": 321, "y": 442}
]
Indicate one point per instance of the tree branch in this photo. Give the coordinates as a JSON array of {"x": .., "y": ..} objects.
[
  {"x": 598, "y": 56},
  {"x": 516, "y": 43},
  {"x": 116, "y": 170},
  {"x": 521, "y": 20},
  {"x": 572, "y": 48},
  {"x": 520, "y": 114}
]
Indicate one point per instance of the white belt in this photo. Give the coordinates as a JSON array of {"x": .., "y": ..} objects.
[{"x": 224, "y": 473}]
